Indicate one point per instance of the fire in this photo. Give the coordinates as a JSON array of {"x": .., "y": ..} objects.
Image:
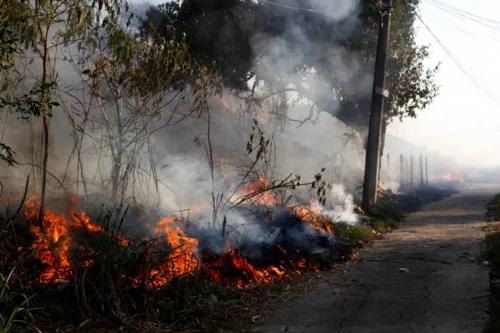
[
  {"x": 54, "y": 243},
  {"x": 183, "y": 255},
  {"x": 53, "y": 240},
  {"x": 259, "y": 192},
  {"x": 233, "y": 269},
  {"x": 312, "y": 213},
  {"x": 172, "y": 252},
  {"x": 453, "y": 176}
]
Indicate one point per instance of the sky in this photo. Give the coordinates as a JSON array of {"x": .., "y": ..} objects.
[{"x": 464, "y": 120}]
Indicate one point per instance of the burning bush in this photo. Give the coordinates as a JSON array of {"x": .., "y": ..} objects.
[
  {"x": 90, "y": 267},
  {"x": 97, "y": 271}
]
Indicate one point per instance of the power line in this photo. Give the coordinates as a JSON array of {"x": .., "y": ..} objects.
[
  {"x": 292, "y": 7},
  {"x": 453, "y": 26},
  {"x": 463, "y": 15},
  {"x": 456, "y": 61},
  {"x": 466, "y": 13}
]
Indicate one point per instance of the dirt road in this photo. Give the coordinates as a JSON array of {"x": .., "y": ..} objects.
[{"x": 422, "y": 277}]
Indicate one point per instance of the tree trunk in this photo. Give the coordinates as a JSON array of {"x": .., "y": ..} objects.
[
  {"x": 115, "y": 176},
  {"x": 46, "y": 109},
  {"x": 46, "y": 128}
]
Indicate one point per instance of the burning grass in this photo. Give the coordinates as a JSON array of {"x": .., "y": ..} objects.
[
  {"x": 79, "y": 270},
  {"x": 75, "y": 270}
]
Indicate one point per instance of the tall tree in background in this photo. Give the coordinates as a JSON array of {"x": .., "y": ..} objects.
[{"x": 318, "y": 53}]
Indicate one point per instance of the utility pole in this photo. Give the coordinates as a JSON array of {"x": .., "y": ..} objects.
[
  {"x": 426, "y": 172},
  {"x": 388, "y": 168},
  {"x": 411, "y": 172},
  {"x": 379, "y": 94},
  {"x": 401, "y": 170},
  {"x": 407, "y": 170},
  {"x": 421, "y": 170}
]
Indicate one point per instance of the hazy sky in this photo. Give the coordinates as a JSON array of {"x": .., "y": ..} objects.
[{"x": 463, "y": 122}]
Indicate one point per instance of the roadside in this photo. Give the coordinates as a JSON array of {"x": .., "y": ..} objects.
[{"x": 423, "y": 277}]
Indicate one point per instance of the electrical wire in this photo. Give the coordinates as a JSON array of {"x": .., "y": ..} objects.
[
  {"x": 463, "y": 15},
  {"x": 457, "y": 62},
  {"x": 470, "y": 33},
  {"x": 463, "y": 12},
  {"x": 446, "y": 8},
  {"x": 292, "y": 7}
]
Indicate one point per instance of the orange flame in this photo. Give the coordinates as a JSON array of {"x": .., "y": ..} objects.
[
  {"x": 233, "y": 269},
  {"x": 453, "y": 176},
  {"x": 259, "y": 192},
  {"x": 52, "y": 246},
  {"x": 56, "y": 239}
]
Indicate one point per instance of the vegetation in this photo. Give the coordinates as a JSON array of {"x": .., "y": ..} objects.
[
  {"x": 491, "y": 253},
  {"x": 239, "y": 37},
  {"x": 81, "y": 62},
  {"x": 109, "y": 282}
]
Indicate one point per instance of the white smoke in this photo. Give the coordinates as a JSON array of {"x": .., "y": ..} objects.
[
  {"x": 343, "y": 206},
  {"x": 182, "y": 165}
]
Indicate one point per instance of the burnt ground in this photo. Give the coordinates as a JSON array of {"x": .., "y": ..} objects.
[{"x": 423, "y": 277}]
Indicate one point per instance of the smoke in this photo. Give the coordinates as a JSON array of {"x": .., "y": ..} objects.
[
  {"x": 338, "y": 11},
  {"x": 343, "y": 205},
  {"x": 280, "y": 56},
  {"x": 180, "y": 154}
]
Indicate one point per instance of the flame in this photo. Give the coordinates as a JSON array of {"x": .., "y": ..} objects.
[
  {"x": 259, "y": 193},
  {"x": 453, "y": 176},
  {"x": 312, "y": 213},
  {"x": 173, "y": 253},
  {"x": 233, "y": 269},
  {"x": 52, "y": 246}
]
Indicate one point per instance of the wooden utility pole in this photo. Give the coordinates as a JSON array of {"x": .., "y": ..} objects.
[
  {"x": 407, "y": 171},
  {"x": 421, "y": 170},
  {"x": 388, "y": 167},
  {"x": 379, "y": 94},
  {"x": 401, "y": 170},
  {"x": 426, "y": 172},
  {"x": 411, "y": 172}
]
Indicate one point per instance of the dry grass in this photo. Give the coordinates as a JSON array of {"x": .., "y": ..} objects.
[{"x": 232, "y": 311}]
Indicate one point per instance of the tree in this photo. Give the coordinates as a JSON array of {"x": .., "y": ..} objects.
[
  {"x": 137, "y": 87},
  {"x": 10, "y": 45},
  {"x": 325, "y": 58}
]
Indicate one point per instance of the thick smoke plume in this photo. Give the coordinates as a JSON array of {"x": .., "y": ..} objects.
[{"x": 185, "y": 164}]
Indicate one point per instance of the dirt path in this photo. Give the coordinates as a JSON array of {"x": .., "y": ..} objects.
[{"x": 444, "y": 290}]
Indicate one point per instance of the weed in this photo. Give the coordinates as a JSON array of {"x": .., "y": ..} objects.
[
  {"x": 15, "y": 312},
  {"x": 354, "y": 233}
]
